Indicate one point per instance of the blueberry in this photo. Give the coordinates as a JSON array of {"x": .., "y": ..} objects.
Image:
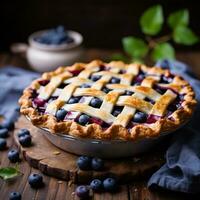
[
  {"x": 60, "y": 29},
  {"x": 165, "y": 64},
  {"x": 96, "y": 102},
  {"x": 106, "y": 90},
  {"x": 95, "y": 77},
  {"x": 149, "y": 100},
  {"x": 39, "y": 102},
  {"x": 35, "y": 180},
  {"x": 129, "y": 93},
  {"x": 139, "y": 78},
  {"x": 160, "y": 90},
  {"x": 82, "y": 191},
  {"x": 25, "y": 140},
  {"x": 114, "y": 80},
  {"x": 3, "y": 133},
  {"x": 117, "y": 110},
  {"x": 110, "y": 184},
  {"x": 165, "y": 79},
  {"x": 13, "y": 156},
  {"x": 55, "y": 40},
  {"x": 97, "y": 164},
  {"x": 84, "y": 162},
  {"x": 96, "y": 185},
  {"x": 60, "y": 114},
  {"x": 23, "y": 132},
  {"x": 2, "y": 144},
  {"x": 7, "y": 124},
  {"x": 73, "y": 100},
  {"x": 85, "y": 85},
  {"x": 15, "y": 196},
  {"x": 122, "y": 71},
  {"x": 140, "y": 117},
  {"x": 83, "y": 119}
]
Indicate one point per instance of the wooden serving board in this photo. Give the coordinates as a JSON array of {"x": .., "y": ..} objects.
[{"x": 57, "y": 163}]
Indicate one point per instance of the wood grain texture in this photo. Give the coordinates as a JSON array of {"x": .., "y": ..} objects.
[{"x": 57, "y": 163}]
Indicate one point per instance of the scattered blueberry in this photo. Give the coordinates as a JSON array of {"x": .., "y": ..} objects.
[
  {"x": 2, "y": 143},
  {"x": 96, "y": 185},
  {"x": 35, "y": 180},
  {"x": 85, "y": 85},
  {"x": 96, "y": 102},
  {"x": 82, "y": 191},
  {"x": 17, "y": 108},
  {"x": 60, "y": 114},
  {"x": 114, "y": 80},
  {"x": 84, "y": 162},
  {"x": 140, "y": 117},
  {"x": 15, "y": 196},
  {"x": 110, "y": 184},
  {"x": 95, "y": 77},
  {"x": 13, "y": 155},
  {"x": 25, "y": 140},
  {"x": 73, "y": 100},
  {"x": 97, "y": 164},
  {"x": 83, "y": 119},
  {"x": 3, "y": 133},
  {"x": 7, "y": 124},
  {"x": 23, "y": 132}
]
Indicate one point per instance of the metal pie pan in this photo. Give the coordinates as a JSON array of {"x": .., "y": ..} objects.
[{"x": 102, "y": 148}]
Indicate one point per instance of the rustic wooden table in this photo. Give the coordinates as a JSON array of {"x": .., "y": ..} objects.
[{"x": 61, "y": 190}]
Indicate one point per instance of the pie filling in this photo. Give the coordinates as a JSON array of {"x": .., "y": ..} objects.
[{"x": 139, "y": 116}]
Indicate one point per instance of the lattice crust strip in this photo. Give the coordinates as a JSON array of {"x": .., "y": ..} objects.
[{"x": 113, "y": 98}]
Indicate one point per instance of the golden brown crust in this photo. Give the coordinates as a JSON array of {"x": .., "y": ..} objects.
[{"x": 115, "y": 131}]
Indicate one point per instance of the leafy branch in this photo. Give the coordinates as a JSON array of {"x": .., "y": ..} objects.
[{"x": 151, "y": 23}]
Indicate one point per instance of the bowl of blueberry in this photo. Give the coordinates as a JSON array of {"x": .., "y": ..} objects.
[{"x": 49, "y": 49}]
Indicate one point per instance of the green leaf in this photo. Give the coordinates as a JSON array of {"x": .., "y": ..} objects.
[
  {"x": 119, "y": 56},
  {"x": 9, "y": 172},
  {"x": 180, "y": 17},
  {"x": 184, "y": 35},
  {"x": 135, "y": 47},
  {"x": 152, "y": 19},
  {"x": 163, "y": 51}
]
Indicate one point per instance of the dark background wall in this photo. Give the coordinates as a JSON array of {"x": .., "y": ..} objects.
[{"x": 102, "y": 22}]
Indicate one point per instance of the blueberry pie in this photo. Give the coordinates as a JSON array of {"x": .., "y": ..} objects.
[{"x": 109, "y": 100}]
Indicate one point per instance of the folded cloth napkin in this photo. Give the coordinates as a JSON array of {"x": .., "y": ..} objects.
[
  {"x": 13, "y": 80},
  {"x": 182, "y": 169}
]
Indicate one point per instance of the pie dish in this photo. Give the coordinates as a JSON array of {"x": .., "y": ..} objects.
[{"x": 109, "y": 101}]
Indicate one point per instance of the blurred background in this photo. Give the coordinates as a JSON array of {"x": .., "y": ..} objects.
[{"x": 101, "y": 22}]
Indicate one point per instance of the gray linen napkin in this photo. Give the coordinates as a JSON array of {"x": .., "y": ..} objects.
[
  {"x": 182, "y": 169},
  {"x": 12, "y": 82}
]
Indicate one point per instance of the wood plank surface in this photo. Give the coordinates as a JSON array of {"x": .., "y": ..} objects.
[
  {"x": 55, "y": 189},
  {"x": 57, "y": 163}
]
